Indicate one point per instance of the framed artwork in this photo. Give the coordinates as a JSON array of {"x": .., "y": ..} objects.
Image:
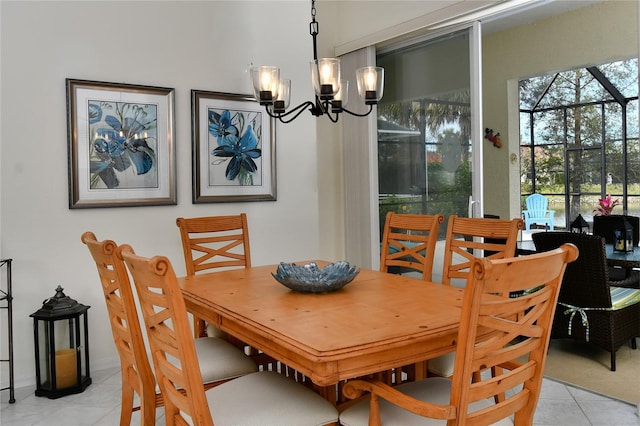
[
  {"x": 233, "y": 149},
  {"x": 120, "y": 145}
]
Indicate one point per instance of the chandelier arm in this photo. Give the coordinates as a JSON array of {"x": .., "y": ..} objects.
[
  {"x": 320, "y": 107},
  {"x": 357, "y": 114},
  {"x": 295, "y": 111},
  {"x": 334, "y": 120}
]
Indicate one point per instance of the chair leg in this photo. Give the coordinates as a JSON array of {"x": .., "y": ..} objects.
[
  {"x": 199, "y": 328},
  {"x": 126, "y": 407},
  {"x": 613, "y": 361}
]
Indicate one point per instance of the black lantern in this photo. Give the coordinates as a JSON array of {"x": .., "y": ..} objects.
[
  {"x": 62, "y": 346},
  {"x": 623, "y": 236},
  {"x": 580, "y": 225}
]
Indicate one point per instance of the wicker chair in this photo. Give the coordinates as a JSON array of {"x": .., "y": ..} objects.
[
  {"x": 605, "y": 226},
  {"x": 492, "y": 334},
  {"x": 587, "y": 308}
]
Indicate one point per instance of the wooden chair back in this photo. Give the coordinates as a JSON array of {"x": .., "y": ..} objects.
[
  {"x": 137, "y": 374},
  {"x": 493, "y": 334},
  {"x": 468, "y": 238},
  {"x": 409, "y": 242},
  {"x": 169, "y": 332},
  {"x": 215, "y": 242},
  {"x": 511, "y": 340}
]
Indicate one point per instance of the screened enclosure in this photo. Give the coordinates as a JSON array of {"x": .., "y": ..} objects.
[{"x": 579, "y": 139}]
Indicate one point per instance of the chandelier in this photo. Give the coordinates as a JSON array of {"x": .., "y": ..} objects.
[{"x": 331, "y": 93}]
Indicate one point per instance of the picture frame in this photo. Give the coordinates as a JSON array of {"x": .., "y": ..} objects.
[
  {"x": 121, "y": 150},
  {"x": 233, "y": 149}
]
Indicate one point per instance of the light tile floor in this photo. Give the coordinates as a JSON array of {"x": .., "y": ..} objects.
[{"x": 99, "y": 405}]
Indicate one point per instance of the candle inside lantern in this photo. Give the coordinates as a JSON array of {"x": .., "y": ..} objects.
[{"x": 66, "y": 372}]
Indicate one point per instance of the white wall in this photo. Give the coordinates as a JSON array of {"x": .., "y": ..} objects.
[{"x": 184, "y": 45}]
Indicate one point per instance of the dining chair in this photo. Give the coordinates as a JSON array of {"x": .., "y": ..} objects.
[
  {"x": 492, "y": 333},
  {"x": 605, "y": 227},
  {"x": 589, "y": 308},
  {"x": 408, "y": 245},
  {"x": 537, "y": 211},
  {"x": 261, "y": 398},
  {"x": 467, "y": 239},
  {"x": 214, "y": 242},
  {"x": 137, "y": 374},
  {"x": 409, "y": 242}
]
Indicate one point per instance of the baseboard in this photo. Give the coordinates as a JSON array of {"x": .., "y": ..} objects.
[{"x": 97, "y": 365}]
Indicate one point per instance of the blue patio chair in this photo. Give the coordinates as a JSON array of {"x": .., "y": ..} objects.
[{"x": 537, "y": 211}]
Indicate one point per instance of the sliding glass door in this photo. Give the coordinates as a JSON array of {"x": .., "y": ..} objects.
[{"x": 429, "y": 131}]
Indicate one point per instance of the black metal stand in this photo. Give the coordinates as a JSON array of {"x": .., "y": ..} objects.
[{"x": 6, "y": 296}]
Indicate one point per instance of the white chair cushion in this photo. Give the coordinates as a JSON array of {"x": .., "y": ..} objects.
[
  {"x": 443, "y": 365},
  {"x": 438, "y": 265},
  {"x": 435, "y": 390},
  {"x": 268, "y": 398},
  {"x": 213, "y": 331},
  {"x": 220, "y": 360}
]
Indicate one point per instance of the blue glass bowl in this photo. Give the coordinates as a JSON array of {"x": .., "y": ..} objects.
[{"x": 311, "y": 279}]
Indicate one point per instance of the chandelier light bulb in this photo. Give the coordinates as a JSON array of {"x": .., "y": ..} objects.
[
  {"x": 284, "y": 95},
  {"x": 265, "y": 80},
  {"x": 265, "y": 83},
  {"x": 370, "y": 84},
  {"x": 370, "y": 79},
  {"x": 325, "y": 77},
  {"x": 326, "y": 73}
]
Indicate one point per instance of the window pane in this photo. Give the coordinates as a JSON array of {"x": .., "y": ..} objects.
[{"x": 424, "y": 128}]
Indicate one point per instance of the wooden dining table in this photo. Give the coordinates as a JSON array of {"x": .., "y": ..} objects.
[{"x": 377, "y": 322}]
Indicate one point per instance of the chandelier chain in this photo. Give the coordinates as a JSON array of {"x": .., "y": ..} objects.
[{"x": 313, "y": 29}]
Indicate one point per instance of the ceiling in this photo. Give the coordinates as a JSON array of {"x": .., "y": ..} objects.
[{"x": 530, "y": 12}]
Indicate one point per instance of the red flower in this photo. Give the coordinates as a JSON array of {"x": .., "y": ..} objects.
[{"x": 606, "y": 205}]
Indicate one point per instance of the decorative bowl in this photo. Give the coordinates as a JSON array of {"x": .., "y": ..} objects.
[{"x": 311, "y": 279}]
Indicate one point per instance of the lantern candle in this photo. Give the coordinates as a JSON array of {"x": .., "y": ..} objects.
[{"x": 66, "y": 372}]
